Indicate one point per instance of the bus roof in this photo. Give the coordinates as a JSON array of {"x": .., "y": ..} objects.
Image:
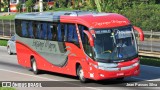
[{"x": 87, "y": 18}]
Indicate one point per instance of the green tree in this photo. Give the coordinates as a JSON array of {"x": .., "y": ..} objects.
[
  {"x": 29, "y": 5},
  {"x": 19, "y": 6}
]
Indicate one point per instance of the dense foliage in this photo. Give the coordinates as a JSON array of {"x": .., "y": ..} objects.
[
  {"x": 142, "y": 13},
  {"x": 145, "y": 16}
]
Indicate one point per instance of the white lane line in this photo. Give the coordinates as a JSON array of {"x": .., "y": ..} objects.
[
  {"x": 139, "y": 78},
  {"x": 151, "y": 66},
  {"x": 48, "y": 79},
  {"x": 144, "y": 79}
]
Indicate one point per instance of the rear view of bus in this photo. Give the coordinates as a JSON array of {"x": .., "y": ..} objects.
[
  {"x": 89, "y": 45},
  {"x": 13, "y": 4}
]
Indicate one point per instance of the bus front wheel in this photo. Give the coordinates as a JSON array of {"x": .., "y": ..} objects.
[
  {"x": 34, "y": 66},
  {"x": 80, "y": 74}
]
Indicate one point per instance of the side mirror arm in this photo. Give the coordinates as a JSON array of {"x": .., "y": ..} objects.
[
  {"x": 90, "y": 37},
  {"x": 140, "y": 32}
]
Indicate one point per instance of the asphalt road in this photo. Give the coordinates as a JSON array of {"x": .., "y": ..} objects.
[{"x": 11, "y": 71}]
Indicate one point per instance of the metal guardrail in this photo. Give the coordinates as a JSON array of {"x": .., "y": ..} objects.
[
  {"x": 6, "y": 28},
  {"x": 149, "y": 54}
]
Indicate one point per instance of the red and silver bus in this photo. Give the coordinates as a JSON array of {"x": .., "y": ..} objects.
[{"x": 89, "y": 45}]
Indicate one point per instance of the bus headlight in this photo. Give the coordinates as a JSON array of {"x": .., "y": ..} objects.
[
  {"x": 108, "y": 66},
  {"x": 135, "y": 64}
]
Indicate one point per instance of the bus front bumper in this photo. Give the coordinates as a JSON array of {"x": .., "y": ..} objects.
[{"x": 103, "y": 74}]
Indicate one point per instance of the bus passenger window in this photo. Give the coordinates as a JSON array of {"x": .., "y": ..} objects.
[
  {"x": 44, "y": 31},
  {"x": 38, "y": 31},
  {"x": 34, "y": 29},
  {"x": 18, "y": 27},
  {"x": 81, "y": 28},
  {"x": 54, "y": 32},
  {"x": 72, "y": 34},
  {"x": 24, "y": 29},
  {"x": 59, "y": 32},
  {"x": 50, "y": 31},
  {"x": 30, "y": 30}
]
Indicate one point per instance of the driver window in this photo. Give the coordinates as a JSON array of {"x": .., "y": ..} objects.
[{"x": 85, "y": 41}]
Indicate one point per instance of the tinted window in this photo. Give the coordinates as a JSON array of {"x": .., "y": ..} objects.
[
  {"x": 12, "y": 38},
  {"x": 71, "y": 34},
  {"x": 30, "y": 30},
  {"x": 18, "y": 27},
  {"x": 24, "y": 29}
]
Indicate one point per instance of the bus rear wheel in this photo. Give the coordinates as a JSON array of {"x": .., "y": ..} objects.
[
  {"x": 120, "y": 79},
  {"x": 80, "y": 74},
  {"x": 34, "y": 66},
  {"x": 9, "y": 50}
]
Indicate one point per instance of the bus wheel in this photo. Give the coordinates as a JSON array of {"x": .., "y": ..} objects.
[
  {"x": 9, "y": 50},
  {"x": 80, "y": 74},
  {"x": 121, "y": 79},
  {"x": 34, "y": 66}
]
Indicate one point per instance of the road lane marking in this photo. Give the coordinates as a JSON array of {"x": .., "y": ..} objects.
[
  {"x": 48, "y": 79},
  {"x": 144, "y": 79},
  {"x": 139, "y": 78},
  {"x": 151, "y": 66}
]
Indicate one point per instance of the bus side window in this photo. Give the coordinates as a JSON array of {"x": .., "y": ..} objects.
[
  {"x": 30, "y": 29},
  {"x": 54, "y": 32},
  {"x": 81, "y": 28},
  {"x": 60, "y": 32},
  {"x": 85, "y": 41},
  {"x": 18, "y": 27},
  {"x": 71, "y": 34},
  {"x": 44, "y": 31},
  {"x": 24, "y": 29},
  {"x": 38, "y": 29},
  {"x": 65, "y": 32},
  {"x": 50, "y": 31},
  {"x": 34, "y": 29}
]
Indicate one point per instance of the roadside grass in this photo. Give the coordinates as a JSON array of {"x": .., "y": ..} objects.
[
  {"x": 7, "y": 88},
  {"x": 7, "y": 17},
  {"x": 150, "y": 61},
  {"x": 3, "y": 42}
]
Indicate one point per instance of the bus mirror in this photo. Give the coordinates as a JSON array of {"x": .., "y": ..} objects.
[
  {"x": 140, "y": 32},
  {"x": 91, "y": 41}
]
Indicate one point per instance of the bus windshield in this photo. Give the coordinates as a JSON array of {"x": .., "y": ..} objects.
[{"x": 116, "y": 44}]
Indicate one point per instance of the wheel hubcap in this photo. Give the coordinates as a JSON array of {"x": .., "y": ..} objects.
[
  {"x": 81, "y": 74},
  {"x": 8, "y": 50},
  {"x": 34, "y": 66}
]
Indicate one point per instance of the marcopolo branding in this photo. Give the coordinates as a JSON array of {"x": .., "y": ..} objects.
[
  {"x": 41, "y": 44},
  {"x": 110, "y": 22}
]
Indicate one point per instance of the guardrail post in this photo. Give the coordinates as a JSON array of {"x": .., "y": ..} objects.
[
  {"x": 10, "y": 28},
  {"x": 14, "y": 27},
  {"x": 3, "y": 26},
  {"x": 151, "y": 41}
]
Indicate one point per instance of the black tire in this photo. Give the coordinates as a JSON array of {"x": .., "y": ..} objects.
[
  {"x": 120, "y": 79},
  {"x": 34, "y": 66},
  {"x": 80, "y": 75},
  {"x": 9, "y": 51}
]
